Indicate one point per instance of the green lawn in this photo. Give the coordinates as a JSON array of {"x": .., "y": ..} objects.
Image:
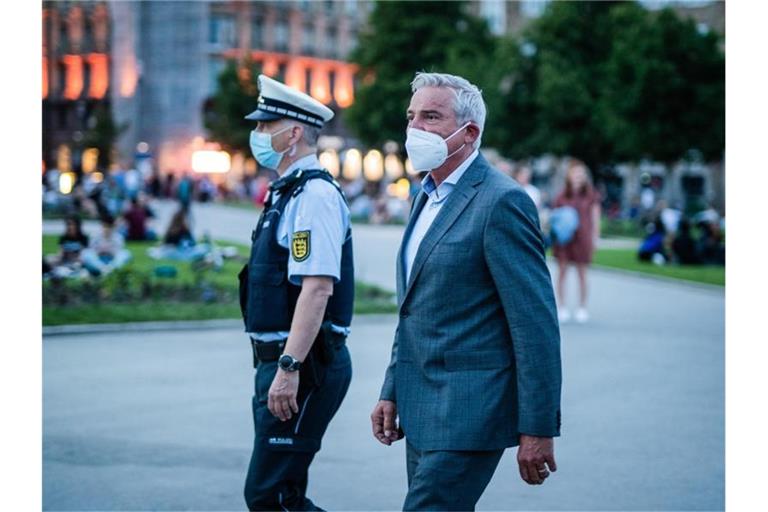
[
  {"x": 626, "y": 259},
  {"x": 368, "y": 299}
]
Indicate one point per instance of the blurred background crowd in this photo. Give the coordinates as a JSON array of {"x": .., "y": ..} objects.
[{"x": 138, "y": 107}]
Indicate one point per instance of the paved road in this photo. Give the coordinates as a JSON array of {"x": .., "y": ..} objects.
[{"x": 160, "y": 420}]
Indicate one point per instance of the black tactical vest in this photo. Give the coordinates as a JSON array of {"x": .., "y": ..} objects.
[{"x": 267, "y": 298}]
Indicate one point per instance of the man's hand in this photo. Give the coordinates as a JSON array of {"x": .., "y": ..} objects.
[
  {"x": 383, "y": 422},
  {"x": 532, "y": 455},
  {"x": 282, "y": 395}
]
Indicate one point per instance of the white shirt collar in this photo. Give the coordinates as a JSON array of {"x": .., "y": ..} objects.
[
  {"x": 439, "y": 193},
  {"x": 305, "y": 162}
]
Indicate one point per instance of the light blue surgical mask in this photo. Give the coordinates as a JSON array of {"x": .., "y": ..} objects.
[{"x": 263, "y": 152}]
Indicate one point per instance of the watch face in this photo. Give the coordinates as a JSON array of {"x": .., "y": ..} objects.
[{"x": 286, "y": 362}]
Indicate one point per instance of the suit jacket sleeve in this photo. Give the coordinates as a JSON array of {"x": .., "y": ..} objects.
[
  {"x": 515, "y": 255},
  {"x": 388, "y": 389}
]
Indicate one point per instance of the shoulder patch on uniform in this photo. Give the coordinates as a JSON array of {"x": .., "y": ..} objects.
[{"x": 300, "y": 245}]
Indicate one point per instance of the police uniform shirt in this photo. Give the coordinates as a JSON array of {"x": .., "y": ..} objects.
[
  {"x": 319, "y": 216},
  {"x": 435, "y": 201}
]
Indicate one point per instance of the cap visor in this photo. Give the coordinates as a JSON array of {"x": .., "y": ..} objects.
[{"x": 260, "y": 115}]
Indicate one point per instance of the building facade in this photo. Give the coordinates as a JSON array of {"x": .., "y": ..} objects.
[
  {"x": 76, "y": 50},
  {"x": 154, "y": 65}
]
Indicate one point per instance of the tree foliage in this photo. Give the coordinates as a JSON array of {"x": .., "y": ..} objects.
[
  {"x": 102, "y": 133},
  {"x": 611, "y": 81},
  {"x": 665, "y": 89},
  {"x": 601, "y": 81},
  {"x": 404, "y": 38},
  {"x": 236, "y": 96}
]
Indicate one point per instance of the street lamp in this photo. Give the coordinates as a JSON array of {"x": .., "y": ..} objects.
[
  {"x": 409, "y": 167},
  {"x": 329, "y": 159},
  {"x": 373, "y": 165},
  {"x": 352, "y": 164},
  {"x": 393, "y": 166},
  {"x": 209, "y": 161},
  {"x": 400, "y": 189},
  {"x": 90, "y": 159},
  {"x": 66, "y": 182}
]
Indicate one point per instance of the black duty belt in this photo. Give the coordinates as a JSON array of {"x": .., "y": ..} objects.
[{"x": 266, "y": 351}]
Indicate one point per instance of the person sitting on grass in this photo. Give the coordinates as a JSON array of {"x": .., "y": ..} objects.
[
  {"x": 652, "y": 247},
  {"x": 107, "y": 250},
  {"x": 178, "y": 242},
  {"x": 136, "y": 218},
  {"x": 68, "y": 263},
  {"x": 711, "y": 245},
  {"x": 684, "y": 246}
]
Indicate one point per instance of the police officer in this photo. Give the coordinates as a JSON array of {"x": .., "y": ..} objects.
[{"x": 296, "y": 294}]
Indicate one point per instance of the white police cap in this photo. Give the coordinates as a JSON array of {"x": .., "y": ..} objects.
[{"x": 277, "y": 101}]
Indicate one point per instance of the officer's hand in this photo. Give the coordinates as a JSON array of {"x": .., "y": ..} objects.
[
  {"x": 383, "y": 422},
  {"x": 532, "y": 455},
  {"x": 282, "y": 395}
]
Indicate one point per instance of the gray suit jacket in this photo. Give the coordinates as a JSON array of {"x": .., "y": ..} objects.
[{"x": 476, "y": 355}]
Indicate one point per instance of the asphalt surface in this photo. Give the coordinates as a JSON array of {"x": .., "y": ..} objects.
[{"x": 160, "y": 420}]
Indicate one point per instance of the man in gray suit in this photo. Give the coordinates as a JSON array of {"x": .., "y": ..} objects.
[{"x": 475, "y": 362}]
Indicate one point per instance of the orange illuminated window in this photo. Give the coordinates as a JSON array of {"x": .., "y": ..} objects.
[
  {"x": 343, "y": 90},
  {"x": 295, "y": 76},
  {"x": 321, "y": 84},
  {"x": 99, "y": 75},
  {"x": 74, "y": 76},
  {"x": 45, "y": 77},
  {"x": 270, "y": 67}
]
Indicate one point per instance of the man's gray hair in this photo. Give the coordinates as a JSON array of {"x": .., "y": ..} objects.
[
  {"x": 311, "y": 134},
  {"x": 469, "y": 104}
]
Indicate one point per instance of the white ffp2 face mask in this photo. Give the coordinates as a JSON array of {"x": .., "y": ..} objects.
[{"x": 428, "y": 150}]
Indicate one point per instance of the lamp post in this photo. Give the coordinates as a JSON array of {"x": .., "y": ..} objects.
[
  {"x": 329, "y": 159},
  {"x": 211, "y": 161},
  {"x": 373, "y": 166},
  {"x": 352, "y": 164}
]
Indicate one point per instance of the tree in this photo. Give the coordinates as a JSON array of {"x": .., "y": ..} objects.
[
  {"x": 554, "y": 75},
  {"x": 236, "y": 96},
  {"x": 611, "y": 81},
  {"x": 665, "y": 91},
  {"x": 404, "y": 38},
  {"x": 102, "y": 133}
]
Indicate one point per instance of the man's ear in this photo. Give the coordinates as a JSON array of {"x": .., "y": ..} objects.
[
  {"x": 297, "y": 133},
  {"x": 472, "y": 133}
]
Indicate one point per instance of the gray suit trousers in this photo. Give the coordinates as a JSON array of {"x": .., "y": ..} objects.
[{"x": 448, "y": 480}]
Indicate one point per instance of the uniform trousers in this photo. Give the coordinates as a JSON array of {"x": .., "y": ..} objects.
[
  {"x": 447, "y": 480},
  {"x": 283, "y": 451}
]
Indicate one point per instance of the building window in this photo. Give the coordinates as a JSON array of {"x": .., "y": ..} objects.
[
  {"x": 308, "y": 39},
  {"x": 88, "y": 43},
  {"x": 257, "y": 33},
  {"x": 281, "y": 36},
  {"x": 222, "y": 31},
  {"x": 350, "y": 7},
  {"x": 63, "y": 35},
  {"x": 330, "y": 42},
  {"x": 495, "y": 13}
]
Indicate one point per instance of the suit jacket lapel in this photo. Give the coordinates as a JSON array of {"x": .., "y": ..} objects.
[
  {"x": 419, "y": 202},
  {"x": 460, "y": 197}
]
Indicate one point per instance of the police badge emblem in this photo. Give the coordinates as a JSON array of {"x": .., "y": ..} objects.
[{"x": 300, "y": 246}]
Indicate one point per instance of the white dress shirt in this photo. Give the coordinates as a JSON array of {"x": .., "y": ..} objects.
[{"x": 435, "y": 200}]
